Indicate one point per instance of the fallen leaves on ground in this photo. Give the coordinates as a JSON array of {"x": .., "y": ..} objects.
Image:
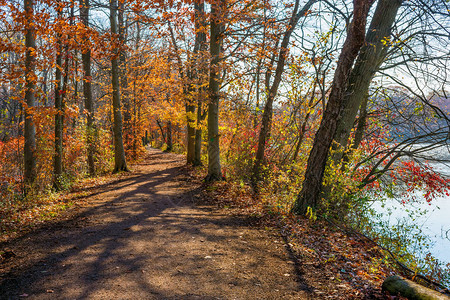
[{"x": 338, "y": 265}]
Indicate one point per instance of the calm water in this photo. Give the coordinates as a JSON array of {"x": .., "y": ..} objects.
[{"x": 435, "y": 222}]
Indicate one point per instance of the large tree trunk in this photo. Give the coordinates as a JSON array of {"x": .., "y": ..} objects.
[
  {"x": 312, "y": 183},
  {"x": 120, "y": 163},
  {"x": 87, "y": 92},
  {"x": 30, "y": 83},
  {"x": 216, "y": 38},
  {"x": 371, "y": 56},
  {"x": 266, "y": 123},
  {"x": 59, "y": 116}
]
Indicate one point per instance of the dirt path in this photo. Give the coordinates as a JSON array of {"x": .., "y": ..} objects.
[{"x": 143, "y": 238}]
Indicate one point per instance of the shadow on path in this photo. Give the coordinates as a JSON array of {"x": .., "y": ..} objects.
[{"x": 145, "y": 239}]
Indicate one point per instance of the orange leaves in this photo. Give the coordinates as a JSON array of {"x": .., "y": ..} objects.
[{"x": 9, "y": 171}]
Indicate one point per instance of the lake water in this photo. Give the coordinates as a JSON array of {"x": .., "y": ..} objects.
[{"x": 435, "y": 222}]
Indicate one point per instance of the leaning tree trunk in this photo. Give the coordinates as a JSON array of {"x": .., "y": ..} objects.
[
  {"x": 371, "y": 56},
  {"x": 216, "y": 25},
  {"x": 266, "y": 123},
  {"x": 120, "y": 163},
  {"x": 30, "y": 83},
  {"x": 312, "y": 183},
  {"x": 360, "y": 127},
  {"x": 87, "y": 91}
]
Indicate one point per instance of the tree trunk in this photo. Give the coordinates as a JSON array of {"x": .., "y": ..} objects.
[
  {"x": 127, "y": 123},
  {"x": 87, "y": 92},
  {"x": 266, "y": 122},
  {"x": 359, "y": 133},
  {"x": 216, "y": 38},
  {"x": 198, "y": 135},
  {"x": 30, "y": 83},
  {"x": 137, "y": 115},
  {"x": 201, "y": 71},
  {"x": 169, "y": 137},
  {"x": 399, "y": 286},
  {"x": 304, "y": 123},
  {"x": 196, "y": 69},
  {"x": 59, "y": 116},
  {"x": 162, "y": 131},
  {"x": 312, "y": 184},
  {"x": 371, "y": 56},
  {"x": 75, "y": 88},
  {"x": 190, "y": 111},
  {"x": 120, "y": 163},
  {"x": 145, "y": 139},
  {"x": 44, "y": 86}
]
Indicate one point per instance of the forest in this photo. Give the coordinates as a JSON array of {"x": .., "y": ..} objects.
[{"x": 321, "y": 108}]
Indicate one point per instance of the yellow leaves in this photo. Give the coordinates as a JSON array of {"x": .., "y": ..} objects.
[{"x": 311, "y": 214}]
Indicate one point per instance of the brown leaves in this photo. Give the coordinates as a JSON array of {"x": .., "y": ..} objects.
[{"x": 337, "y": 265}]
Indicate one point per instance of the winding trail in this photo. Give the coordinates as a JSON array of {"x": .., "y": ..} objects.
[{"x": 143, "y": 237}]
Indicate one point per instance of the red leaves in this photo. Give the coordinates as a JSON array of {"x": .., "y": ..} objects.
[{"x": 424, "y": 177}]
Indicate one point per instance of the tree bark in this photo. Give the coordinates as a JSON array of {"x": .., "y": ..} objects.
[
  {"x": 371, "y": 56},
  {"x": 169, "y": 137},
  {"x": 201, "y": 71},
  {"x": 127, "y": 123},
  {"x": 87, "y": 92},
  {"x": 360, "y": 127},
  {"x": 216, "y": 38},
  {"x": 162, "y": 131},
  {"x": 198, "y": 136},
  {"x": 136, "y": 115},
  {"x": 190, "y": 112},
  {"x": 196, "y": 69},
  {"x": 30, "y": 83},
  {"x": 59, "y": 116},
  {"x": 304, "y": 123},
  {"x": 312, "y": 184},
  {"x": 399, "y": 286},
  {"x": 120, "y": 163},
  {"x": 266, "y": 122}
]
